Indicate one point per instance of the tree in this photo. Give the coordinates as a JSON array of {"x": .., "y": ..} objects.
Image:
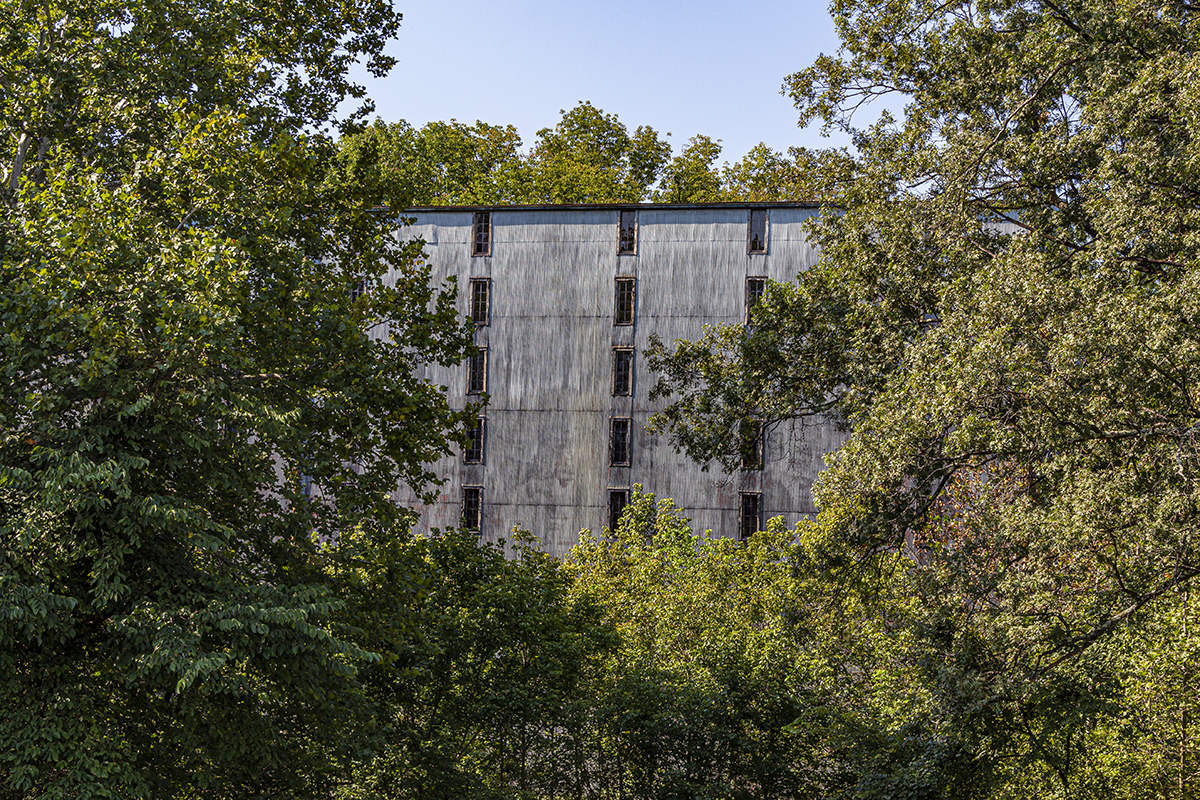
[
  {"x": 588, "y": 157},
  {"x": 764, "y": 174},
  {"x": 442, "y": 163},
  {"x": 195, "y": 394},
  {"x": 690, "y": 177},
  {"x": 737, "y": 673},
  {"x": 1006, "y": 298},
  {"x": 494, "y": 695}
]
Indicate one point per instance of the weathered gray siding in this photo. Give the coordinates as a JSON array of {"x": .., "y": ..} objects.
[{"x": 549, "y": 344}]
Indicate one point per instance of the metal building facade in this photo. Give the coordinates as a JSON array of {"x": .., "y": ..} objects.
[{"x": 551, "y": 328}]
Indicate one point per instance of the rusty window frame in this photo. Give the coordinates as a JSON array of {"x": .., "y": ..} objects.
[
  {"x": 755, "y": 289},
  {"x": 625, "y": 301},
  {"x": 481, "y": 234},
  {"x": 618, "y": 501},
  {"x": 627, "y": 233},
  {"x": 477, "y": 372},
  {"x": 476, "y": 437},
  {"x": 749, "y": 514},
  {"x": 471, "y": 517},
  {"x": 753, "y": 444},
  {"x": 620, "y": 432},
  {"x": 757, "y": 231},
  {"x": 622, "y": 371},
  {"x": 481, "y": 300}
]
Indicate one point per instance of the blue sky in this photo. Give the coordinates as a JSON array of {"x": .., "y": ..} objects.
[{"x": 685, "y": 67}]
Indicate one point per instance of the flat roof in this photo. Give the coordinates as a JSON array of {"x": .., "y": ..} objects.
[{"x": 621, "y": 206}]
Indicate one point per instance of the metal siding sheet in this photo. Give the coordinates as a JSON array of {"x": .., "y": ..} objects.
[{"x": 550, "y": 348}]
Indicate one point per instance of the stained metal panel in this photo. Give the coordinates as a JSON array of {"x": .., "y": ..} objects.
[{"x": 550, "y": 341}]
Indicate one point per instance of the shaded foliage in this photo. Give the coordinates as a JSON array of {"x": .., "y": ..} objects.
[
  {"x": 589, "y": 156},
  {"x": 1003, "y": 312},
  {"x": 193, "y": 395}
]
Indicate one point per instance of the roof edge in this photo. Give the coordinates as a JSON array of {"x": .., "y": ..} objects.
[{"x": 624, "y": 206}]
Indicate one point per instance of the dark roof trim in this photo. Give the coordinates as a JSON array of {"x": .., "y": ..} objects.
[{"x": 627, "y": 206}]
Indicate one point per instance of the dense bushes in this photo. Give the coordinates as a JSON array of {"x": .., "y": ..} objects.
[
  {"x": 654, "y": 663},
  {"x": 651, "y": 664}
]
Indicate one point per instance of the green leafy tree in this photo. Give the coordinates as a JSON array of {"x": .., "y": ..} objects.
[
  {"x": 691, "y": 176},
  {"x": 441, "y": 163},
  {"x": 738, "y": 673},
  {"x": 764, "y": 174},
  {"x": 489, "y": 669},
  {"x": 590, "y": 157},
  {"x": 1005, "y": 300},
  {"x": 196, "y": 392}
]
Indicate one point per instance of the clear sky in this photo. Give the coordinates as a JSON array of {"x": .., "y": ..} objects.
[{"x": 685, "y": 67}]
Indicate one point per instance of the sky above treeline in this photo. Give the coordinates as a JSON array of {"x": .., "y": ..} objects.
[{"x": 686, "y": 68}]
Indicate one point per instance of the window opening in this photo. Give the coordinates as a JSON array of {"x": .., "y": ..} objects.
[
  {"x": 758, "y": 230},
  {"x": 472, "y": 507},
  {"x": 752, "y": 444},
  {"x": 618, "y": 443},
  {"x": 622, "y": 380},
  {"x": 625, "y": 301},
  {"x": 751, "y": 514},
  {"x": 480, "y": 300},
  {"x": 618, "y": 499},
  {"x": 755, "y": 288},
  {"x": 477, "y": 373},
  {"x": 473, "y": 454},
  {"x": 628, "y": 235},
  {"x": 481, "y": 234}
]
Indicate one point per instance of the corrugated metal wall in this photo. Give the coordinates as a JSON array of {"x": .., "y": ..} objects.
[{"x": 550, "y": 339}]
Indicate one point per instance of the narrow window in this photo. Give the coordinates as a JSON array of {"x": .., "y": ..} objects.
[
  {"x": 752, "y": 444},
  {"x": 755, "y": 287},
  {"x": 477, "y": 373},
  {"x": 622, "y": 380},
  {"x": 751, "y": 514},
  {"x": 628, "y": 235},
  {"x": 480, "y": 308},
  {"x": 625, "y": 301},
  {"x": 617, "y": 500},
  {"x": 472, "y": 507},
  {"x": 473, "y": 454},
  {"x": 618, "y": 443},
  {"x": 481, "y": 234},
  {"x": 758, "y": 230}
]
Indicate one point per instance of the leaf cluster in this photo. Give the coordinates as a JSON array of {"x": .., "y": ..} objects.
[{"x": 1003, "y": 312}]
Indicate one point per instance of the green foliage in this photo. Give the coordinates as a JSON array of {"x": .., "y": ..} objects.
[
  {"x": 439, "y": 164},
  {"x": 1004, "y": 312},
  {"x": 652, "y": 664},
  {"x": 764, "y": 174},
  {"x": 733, "y": 677},
  {"x": 691, "y": 177},
  {"x": 183, "y": 354},
  {"x": 485, "y": 688},
  {"x": 589, "y": 157}
]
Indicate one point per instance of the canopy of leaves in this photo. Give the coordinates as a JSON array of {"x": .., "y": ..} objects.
[
  {"x": 588, "y": 157},
  {"x": 194, "y": 394},
  {"x": 653, "y": 664},
  {"x": 491, "y": 671},
  {"x": 1005, "y": 314}
]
